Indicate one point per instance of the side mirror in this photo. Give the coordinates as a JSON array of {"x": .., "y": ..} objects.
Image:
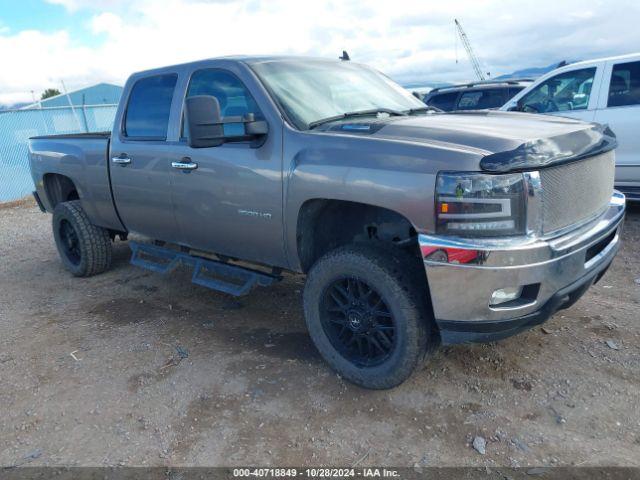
[
  {"x": 517, "y": 107},
  {"x": 202, "y": 114},
  {"x": 206, "y": 125},
  {"x": 253, "y": 127}
]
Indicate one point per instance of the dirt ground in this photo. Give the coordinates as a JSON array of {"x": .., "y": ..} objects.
[{"x": 136, "y": 368}]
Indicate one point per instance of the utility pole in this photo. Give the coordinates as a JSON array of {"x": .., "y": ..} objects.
[{"x": 75, "y": 114}]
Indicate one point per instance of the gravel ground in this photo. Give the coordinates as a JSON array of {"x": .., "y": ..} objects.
[{"x": 133, "y": 368}]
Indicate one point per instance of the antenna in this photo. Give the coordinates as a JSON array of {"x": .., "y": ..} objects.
[
  {"x": 475, "y": 63},
  {"x": 345, "y": 56}
]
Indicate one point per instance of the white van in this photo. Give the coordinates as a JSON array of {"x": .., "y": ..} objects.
[{"x": 606, "y": 91}]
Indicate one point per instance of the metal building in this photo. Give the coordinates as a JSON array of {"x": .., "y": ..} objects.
[{"x": 98, "y": 94}]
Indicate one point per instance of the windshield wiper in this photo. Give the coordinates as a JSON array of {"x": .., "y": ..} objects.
[
  {"x": 426, "y": 108},
  {"x": 361, "y": 113}
]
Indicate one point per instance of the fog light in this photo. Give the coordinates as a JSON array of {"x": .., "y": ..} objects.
[{"x": 505, "y": 295}]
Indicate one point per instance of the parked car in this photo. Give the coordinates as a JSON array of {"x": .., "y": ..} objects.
[
  {"x": 414, "y": 228},
  {"x": 474, "y": 96},
  {"x": 605, "y": 90}
]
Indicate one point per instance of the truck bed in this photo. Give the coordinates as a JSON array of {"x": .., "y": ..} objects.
[{"x": 82, "y": 161}]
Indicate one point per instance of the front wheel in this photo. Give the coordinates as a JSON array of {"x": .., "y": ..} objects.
[
  {"x": 366, "y": 311},
  {"x": 84, "y": 248}
]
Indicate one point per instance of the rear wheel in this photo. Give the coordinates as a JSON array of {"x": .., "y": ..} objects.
[
  {"x": 84, "y": 248},
  {"x": 366, "y": 311}
]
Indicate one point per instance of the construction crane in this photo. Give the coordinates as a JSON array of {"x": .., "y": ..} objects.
[{"x": 472, "y": 56}]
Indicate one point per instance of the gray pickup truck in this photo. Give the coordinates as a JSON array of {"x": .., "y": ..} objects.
[{"x": 414, "y": 227}]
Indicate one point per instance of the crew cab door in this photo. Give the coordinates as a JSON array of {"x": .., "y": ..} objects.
[
  {"x": 228, "y": 199},
  {"x": 139, "y": 159}
]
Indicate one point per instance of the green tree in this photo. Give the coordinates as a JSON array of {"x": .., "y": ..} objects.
[{"x": 49, "y": 92}]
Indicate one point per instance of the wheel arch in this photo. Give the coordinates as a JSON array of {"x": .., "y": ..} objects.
[
  {"x": 324, "y": 224},
  {"x": 59, "y": 188}
]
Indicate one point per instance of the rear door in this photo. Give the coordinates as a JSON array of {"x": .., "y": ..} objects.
[
  {"x": 139, "y": 163},
  {"x": 619, "y": 107}
]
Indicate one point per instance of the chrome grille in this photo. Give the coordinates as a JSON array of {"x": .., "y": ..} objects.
[{"x": 577, "y": 191}]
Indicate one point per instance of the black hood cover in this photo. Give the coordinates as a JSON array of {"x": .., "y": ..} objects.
[
  {"x": 503, "y": 141},
  {"x": 543, "y": 152}
]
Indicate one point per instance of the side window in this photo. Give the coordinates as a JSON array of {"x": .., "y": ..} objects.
[
  {"x": 469, "y": 100},
  {"x": 444, "y": 101},
  {"x": 481, "y": 99},
  {"x": 624, "y": 88},
  {"x": 233, "y": 97},
  {"x": 147, "y": 114},
  {"x": 566, "y": 91},
  {"x": 513, "y": 91}
]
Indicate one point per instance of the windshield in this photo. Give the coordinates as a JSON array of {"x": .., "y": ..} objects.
[{"x": 316, "y": 90}]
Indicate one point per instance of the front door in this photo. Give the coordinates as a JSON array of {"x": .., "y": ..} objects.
[
  {"x": 228, "y": 199},
  {"x": 568, "y": 94}
]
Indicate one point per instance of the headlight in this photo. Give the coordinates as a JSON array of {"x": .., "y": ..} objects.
[{"x": 477, "y": 204}]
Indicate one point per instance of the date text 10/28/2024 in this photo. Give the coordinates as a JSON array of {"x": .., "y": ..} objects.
[{"x": 315, "y": 472}]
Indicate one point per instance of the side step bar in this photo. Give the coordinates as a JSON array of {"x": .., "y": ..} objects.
[{"x": 220, "y": 276}]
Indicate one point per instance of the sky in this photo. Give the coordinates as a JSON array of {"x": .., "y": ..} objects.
[{"x": 80, "y": 42}]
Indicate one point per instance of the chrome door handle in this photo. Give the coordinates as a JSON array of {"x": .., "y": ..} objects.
[
  {"x": 121, "y": 160},
  {"x": 185, "y": 164}
]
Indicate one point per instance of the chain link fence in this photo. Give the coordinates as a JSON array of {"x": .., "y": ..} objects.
[{"x": 16, "y": 126}]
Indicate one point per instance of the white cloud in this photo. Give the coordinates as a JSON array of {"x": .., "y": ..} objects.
[
  {"x": 410, "y": 39},
  {"x": 75, "y": 5},
  {"x": 106, "y": 23}
]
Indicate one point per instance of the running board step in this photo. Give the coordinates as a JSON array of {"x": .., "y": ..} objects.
[{"x": 220, "y": 276}]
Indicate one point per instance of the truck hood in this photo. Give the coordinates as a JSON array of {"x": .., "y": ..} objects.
[{"x": 506, "y": 141}]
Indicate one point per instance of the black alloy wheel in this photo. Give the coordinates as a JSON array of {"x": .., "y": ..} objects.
[
  {"x": 358, "y": 322},
  {"x": 70, "y": 242}
]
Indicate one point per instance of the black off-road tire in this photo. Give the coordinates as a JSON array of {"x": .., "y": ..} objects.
[
  {"x": 89, "y": 251},
  {"x": 400, "y": 281}
]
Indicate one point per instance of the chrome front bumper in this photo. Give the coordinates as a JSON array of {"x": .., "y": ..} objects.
[{"x": 551, "y": 270}]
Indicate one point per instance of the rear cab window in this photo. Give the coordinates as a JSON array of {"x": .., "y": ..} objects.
[
  {"x": 149, "y": 107},
  {"x": 624, "y": 86},
  {"x": 482, "y": 99}
]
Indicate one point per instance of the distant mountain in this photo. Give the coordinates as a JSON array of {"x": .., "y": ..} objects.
[{"x": 531, "y": 72}]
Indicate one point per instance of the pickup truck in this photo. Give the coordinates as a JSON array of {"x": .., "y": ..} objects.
[{"x": 414, "y": 227}]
